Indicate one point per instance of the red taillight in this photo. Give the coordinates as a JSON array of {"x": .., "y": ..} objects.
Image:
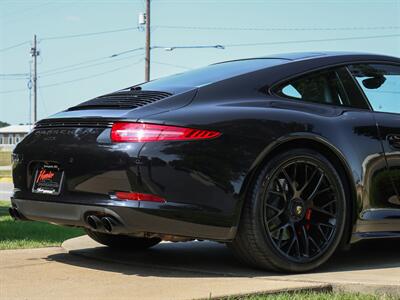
[
  {"x": 138, "y": 197},
  {"x": 142, "y": 132}
]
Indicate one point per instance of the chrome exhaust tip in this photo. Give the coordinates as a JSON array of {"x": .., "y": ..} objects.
[
  {"x": 94, "y": 222},
  {"x": 13, "y": 212},
  {"x": 108, "y": 223}
]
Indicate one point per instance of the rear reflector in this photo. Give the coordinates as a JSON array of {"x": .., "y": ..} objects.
[
  {"x": 142, "y": 132},
  {"x": 139, "y": 197}
]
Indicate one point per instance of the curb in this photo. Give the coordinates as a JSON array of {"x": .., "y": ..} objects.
[
  {"x": 322, "y": 288},
  {"x": 367, "y": 289}
]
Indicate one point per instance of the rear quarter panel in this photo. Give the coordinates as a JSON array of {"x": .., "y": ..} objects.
[{"x": 216, "y": 174}]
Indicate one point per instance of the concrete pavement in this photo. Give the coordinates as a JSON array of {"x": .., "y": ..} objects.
[
  {"x": 369, "y": 267},
  {"x": 83, "y": 269},
  {"x": 51, "y": 273}
]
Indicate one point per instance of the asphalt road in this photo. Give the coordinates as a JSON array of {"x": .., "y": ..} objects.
[{"x": 6, "y": 189}]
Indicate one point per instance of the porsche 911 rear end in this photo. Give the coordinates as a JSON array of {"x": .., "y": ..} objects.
[
  {"x": 147, "y": 161},
  {"x": 109, "y": 174}
]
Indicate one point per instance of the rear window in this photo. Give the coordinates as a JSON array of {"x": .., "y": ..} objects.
[{"x": 212, "y": 73}]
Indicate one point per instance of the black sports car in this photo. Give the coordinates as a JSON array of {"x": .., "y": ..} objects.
[{"x": 285, "y": 158}]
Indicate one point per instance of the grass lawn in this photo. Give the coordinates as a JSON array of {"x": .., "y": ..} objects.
[
  {"x": 23, "y": 234},
  {"x": 5, "y": 173},
  {"x": 317, "y": 296},
  {"x": 5, "y": 158}
]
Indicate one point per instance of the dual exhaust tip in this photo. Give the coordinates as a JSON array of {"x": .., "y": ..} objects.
[
  {"x": 15, "y": 214},
  {"x": 108, "y": 224}
]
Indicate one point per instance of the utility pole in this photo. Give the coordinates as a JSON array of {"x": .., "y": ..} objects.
[
  {"x": 147, "y": 59},
  {"x": 35, "y": 54}
]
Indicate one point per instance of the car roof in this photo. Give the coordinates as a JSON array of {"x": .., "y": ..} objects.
[
  {"x": 296, "y": 56},
  {"x": 229, "y": 69}
]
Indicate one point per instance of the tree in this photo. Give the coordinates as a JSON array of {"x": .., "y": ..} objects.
[{"x": 3, "y": 124}]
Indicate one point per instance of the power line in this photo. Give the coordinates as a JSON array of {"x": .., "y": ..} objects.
[
  {"x": 14, "y": 46},
  {"x": 93, "y": 60},
  {"x": 349, "y": 28},
  {"x": 15, "y": 78},
  {"x": 76, "y": 79},
  {"x": 74, "y": 65},
  {"x": 14, "y": 74},
  {"x": 12, "y": 91},
  {"x": 61, "y": 37},
  {"x": 311, "y": 40},
  {"x": 91, "y": 76},
  {"x": 65, "y": 70},
  {"x": 223, "y": 46},
  {"x": 71, "y": 67}
]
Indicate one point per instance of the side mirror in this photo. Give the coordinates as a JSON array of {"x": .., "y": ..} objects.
[{"x": 373, "y": 82}]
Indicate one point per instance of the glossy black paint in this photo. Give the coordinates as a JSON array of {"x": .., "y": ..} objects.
[{"x": 205, "y": 182}]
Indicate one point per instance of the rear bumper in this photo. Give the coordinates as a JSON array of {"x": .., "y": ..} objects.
[{"x": 134, "y": 216}]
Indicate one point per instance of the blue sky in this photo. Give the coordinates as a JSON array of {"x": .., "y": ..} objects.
[{"x": 271, "y": 26}]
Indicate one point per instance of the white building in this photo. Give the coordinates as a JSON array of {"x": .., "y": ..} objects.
[{"x": 12, "y": 135}]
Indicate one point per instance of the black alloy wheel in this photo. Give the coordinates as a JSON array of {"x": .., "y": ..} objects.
[
  {"x": 295, "y": 217},
  {"x": 300, "y": 210}
]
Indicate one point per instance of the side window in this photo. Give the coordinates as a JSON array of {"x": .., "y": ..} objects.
[
  {"x": 322, "y": 87},
  {"x": 380, "y": 84}
]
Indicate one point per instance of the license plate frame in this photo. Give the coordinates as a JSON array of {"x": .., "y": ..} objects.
[{"x": 48, "y": 179}]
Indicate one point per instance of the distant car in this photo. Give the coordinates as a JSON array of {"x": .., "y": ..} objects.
[{"x": 284, "y": 158}]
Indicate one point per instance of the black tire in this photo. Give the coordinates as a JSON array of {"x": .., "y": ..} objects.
[
  {"x": 281, "y": 231},
  {"x": 122, "y": 241}
]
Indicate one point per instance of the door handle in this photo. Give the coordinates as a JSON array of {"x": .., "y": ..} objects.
[{"x": 394, "y": 140}]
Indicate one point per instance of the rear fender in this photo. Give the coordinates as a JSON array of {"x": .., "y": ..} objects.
[{"x": 298, "y": 140}]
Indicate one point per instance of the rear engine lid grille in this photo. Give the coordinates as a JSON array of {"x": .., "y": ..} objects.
[
  {"x": 49, "y": 123},
  {"x": 126, "y": 99}
]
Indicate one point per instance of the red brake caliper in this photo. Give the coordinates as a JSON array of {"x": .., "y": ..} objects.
[{"x": 308, "y": 218}]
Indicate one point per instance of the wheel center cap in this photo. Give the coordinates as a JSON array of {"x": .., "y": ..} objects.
[{"x": 297, "y": 209}]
